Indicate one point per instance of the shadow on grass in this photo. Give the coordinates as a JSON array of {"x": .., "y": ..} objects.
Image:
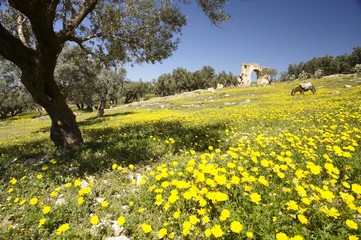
[
  {"x": 95, "y": 120},
  {"x": 140, "y": 144}
]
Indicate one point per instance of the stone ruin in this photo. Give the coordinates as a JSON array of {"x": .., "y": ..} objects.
[{"x": 244, "y": 79}]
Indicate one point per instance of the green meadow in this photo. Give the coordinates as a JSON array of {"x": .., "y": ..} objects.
[{"x": 236, "y": 163}]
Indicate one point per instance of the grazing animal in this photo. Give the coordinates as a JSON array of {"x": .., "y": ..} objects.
[{"x": 302, "y": 88}]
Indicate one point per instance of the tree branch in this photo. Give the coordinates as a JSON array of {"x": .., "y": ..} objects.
[
  {"x": 66, "y": 33},
  {"x": 12, "y": 49},
  {"x": 20, "y": 21}
]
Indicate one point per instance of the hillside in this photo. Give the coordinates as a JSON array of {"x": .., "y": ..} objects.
[{"x": 233, "y": 163}]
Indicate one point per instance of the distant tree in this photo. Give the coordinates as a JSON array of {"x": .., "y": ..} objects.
[
  {"x": 357, "y": 69},
  {"x": 14, "y": 97},
  {"x": 284, "y": 76},
  {"x": 271, "y": 72},
  {"x": 182, "y": 79},
  {"x": 165, "y": 85},
  {"x": 304, "y": 75},
  {"x": 204, "y": 78},
  {"x": 227, "y": 79},
  {"x": 330, "y": 65},
  {"x": 344, "y": 64},
  {"x": 34, "y": 32},
  {"x": 355, "y": 57},
  {"x": 319, "y": 73},
  {"x": 76, "y": 74},
  {"x": 108, "y": 86},
  {"x": 135, "y": 91}
]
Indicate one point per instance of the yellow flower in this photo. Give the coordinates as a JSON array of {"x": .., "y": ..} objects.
[
  {"x": 68, "y": 184},
  {"x": 162, "y": 232},
  {"x": 297, "y": 237},
  {"x": 77, "y": 182},
  {"x": 121, "y": 221},
  {"x": 281, "y": 175},
  {"x": 114, "y": 166},
  {"x": 176, "y": 214},
  {"x": 193, "y": 219},
  {"x": 255, "y": 197},
  {"x": 104, "y": 204},
  {"x": 33, "y": 201},
  {"x": 217, "y": 231},
  {"x": 173, "y": 198},
  {"x": 235, "y": 180},
  {"x": 224, "y": 215},
  {"x": 236, "y": 227},
  {"x": 220, "y": 179},
  {"x": 208, "y": 232},
  {"x": 80, "y": 200},
  {"x": 249, "y": 234},
  {"x": 306, "y": 201},
  {"x": 41, "y": 222},
  {"x": 351, "y": 224},
  {"x": 94, "y": 219},
  {"x": 292, "y": 205},
  {"x": 263, "y": 181},
  {"x": 353, "y": 237},
  {"x": 302, "y": 219},
  {"x": 333, "y": 212},
  {"x": 186, "y": 228},
  {"x": 84, "y": 191},
  {"x": 205, "y": 219},
  {"x": 356, "y": 188},
  {"x": 281, "y": 236},
  {"x": 146, "y": 228},
  {"x": 13, "y": 181},
  {"x": 217, "y": 196},
  {"x": 63, "y": 228},
  {"x": 46, "y": 209},
  {"x": 346, "y": 184}
]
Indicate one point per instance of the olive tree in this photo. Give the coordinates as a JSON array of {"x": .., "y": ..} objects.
[
  {"x": 76, "y": 75},
  {"x": 14, "y": 98},
  {"x": 34, "y": 32}
]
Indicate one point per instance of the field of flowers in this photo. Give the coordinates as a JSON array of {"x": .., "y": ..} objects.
[{"x": 237, "y": 163}]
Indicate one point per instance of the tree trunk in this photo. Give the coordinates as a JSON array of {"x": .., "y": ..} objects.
[
  {"x": 64, "y": 131},
  {"x": 101, "y": 108}
]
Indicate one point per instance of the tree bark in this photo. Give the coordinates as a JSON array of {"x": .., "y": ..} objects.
[
  {"x": 64, "y": 131},
  {"x": 101, "y": 108}
]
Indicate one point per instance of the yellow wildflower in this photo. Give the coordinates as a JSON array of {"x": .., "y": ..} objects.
[
  {"x": 146, "y": 228},
  {"x": 236, "y": 227},
  {"x": 94, "y": 219},
  {"x": 121, "y": 221},
  {"x": 351, "y": 224},
  {"x": 41, "y": 222},
  {"x": 162, "y": 232},
  {"x": 46, "y": 209},
  {"x": 63, "y": 228},
  {"x": 33, "y": 201},
  {"x": 217, "y": 231},
  {"x": 255, "y": 197}
]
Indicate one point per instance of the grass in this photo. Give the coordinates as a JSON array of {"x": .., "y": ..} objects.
[{"x": 236, "y": 163}]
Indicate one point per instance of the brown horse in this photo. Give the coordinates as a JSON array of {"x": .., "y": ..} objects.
[{"x": 302, "y": 90}]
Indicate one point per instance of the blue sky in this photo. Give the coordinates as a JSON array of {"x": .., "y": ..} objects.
[{"x": 273, "y": 33}]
